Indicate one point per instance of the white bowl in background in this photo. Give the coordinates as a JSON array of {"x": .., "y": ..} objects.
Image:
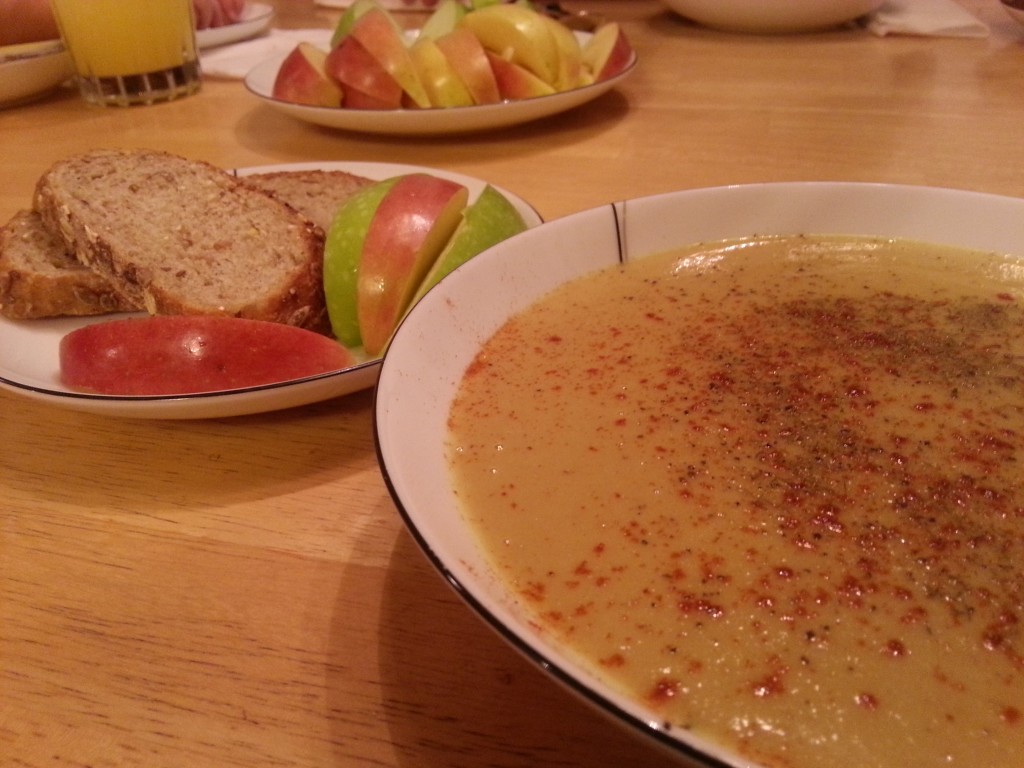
[
  {"x": 440, "y": 337},
  {"x": 29, "y": 71},
  {"x": 1015, "y": 8},
  {"x": 772, "y": 16}
]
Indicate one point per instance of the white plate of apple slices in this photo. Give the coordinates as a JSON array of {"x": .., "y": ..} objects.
[
  {"x": 433, "y": 121},
  {"x": 29, "y": 349}
]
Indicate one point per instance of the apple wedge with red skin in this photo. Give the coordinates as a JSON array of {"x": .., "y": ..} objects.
[
  {"x": 608, "y": 52},
  {"x": 516, "y": 83},
  {"x": 443, "y": 84},
  {"x": 409, "y": 229},
  {"x": 382, "y": 38},
  {"x": 188, "y": 354},
  {"x": 367, "y": 84},
  {"x": 303, "y": 79},
  {"x": 469, "y": 60}
]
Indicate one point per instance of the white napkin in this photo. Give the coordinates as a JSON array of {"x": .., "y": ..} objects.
[
  {"x": 235, "y": 61},
  {"x": 934, "y": 18}
]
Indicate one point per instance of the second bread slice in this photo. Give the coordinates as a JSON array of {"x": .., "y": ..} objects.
[{"x": 179, "y": 236}]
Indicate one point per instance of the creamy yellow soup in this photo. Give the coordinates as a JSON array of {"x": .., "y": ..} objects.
[{"x": 774, "y": 489}]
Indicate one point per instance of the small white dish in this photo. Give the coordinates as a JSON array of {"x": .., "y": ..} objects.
[
  {"x": 255, "y": 19},
  {"x": 29, "y": 362},
  {"x": 772, "y": 16},
  {"x": 1015, "y": 9},
  {"x": 418, "y": 6},
  {"x": 29, "y": 71},
  {"x": 426, "y": 122},
  {"x": 419, "y": 377}
]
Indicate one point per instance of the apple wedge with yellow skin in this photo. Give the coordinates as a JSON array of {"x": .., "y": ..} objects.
[
  {"x": 366, "y": 83},
  {"x": 469, "y": 60},
  {"x": 487, "y": 221},
  {"x": 518, "y": 34},
  {"x": 407, "y": 233},
  {"x": 303, "y": 79},
  {"x": 570, "y": 55},
  {"x": 383, "y": 39},
  {"x": 343, "y": 252},
  {"x": 515, "y": 82},
  {"x": 608, "y": 52},
  {"x": 444, "y": 86}
]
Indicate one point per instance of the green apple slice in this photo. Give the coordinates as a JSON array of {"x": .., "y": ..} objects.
[
  {"x": 485, "y": 223},
  {"x": 343, "y": 251},
  {"x": 443, "y": 20},
  {"x": 348, "y": 19}
]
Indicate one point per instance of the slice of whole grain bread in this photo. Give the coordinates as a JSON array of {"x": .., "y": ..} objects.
[
  {"x": 317, "y": 194},
  {"x": 179, "y": 236},
  {"x": 39, "y": 278}
]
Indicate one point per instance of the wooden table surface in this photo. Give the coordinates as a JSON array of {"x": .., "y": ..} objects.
[{"x": 241, "y": 592}]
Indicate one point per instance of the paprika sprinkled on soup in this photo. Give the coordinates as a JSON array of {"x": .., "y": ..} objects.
[{"x": 773, "y": 488}]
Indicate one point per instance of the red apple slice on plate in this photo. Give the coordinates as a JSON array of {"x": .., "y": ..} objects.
[
  {"x": 469, "y": 59},
  {"x": 410, "y": 228},
  {"x": 608, "y": 52},
  {"x": 303, "y": 79},
  {"x": 383, "y": 39},
  {"x": 514, "y": 82},
  {"x": 179, "y": 355},
  {"x": 367, "y": 84}
]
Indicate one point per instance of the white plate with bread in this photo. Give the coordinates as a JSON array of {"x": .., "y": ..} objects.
[{"x": 29, "y": 348}]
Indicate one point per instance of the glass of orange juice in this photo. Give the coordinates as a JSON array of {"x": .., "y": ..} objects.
[{"x": 129, "y": 52}]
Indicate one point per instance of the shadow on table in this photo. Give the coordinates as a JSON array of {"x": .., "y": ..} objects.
[{"x": 490, "y": 705}]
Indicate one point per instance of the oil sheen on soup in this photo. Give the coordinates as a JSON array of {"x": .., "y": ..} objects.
[{"x": 772, "y": 490}]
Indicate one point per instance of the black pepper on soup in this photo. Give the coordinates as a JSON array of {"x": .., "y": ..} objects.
[{"x": 773, "y": 488}]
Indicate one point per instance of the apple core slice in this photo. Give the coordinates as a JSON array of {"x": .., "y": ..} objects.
[{"x": 410, "y": 227}]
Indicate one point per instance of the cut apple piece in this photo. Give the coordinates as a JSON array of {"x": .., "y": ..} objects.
[
  {"x": 367, "y": 85},
  {"x": 343, "y": 251},
  {"x": 570, "y": 55},
  {"x": 469, "y": 60},
  {"x": 489, "y": 220},
  {"x": 303, "y": 79},
  {"x": 383, "y": 39},
  {"x": 517, "y": 34},
  {"x": 608, "y": 52},
  {"x": 444, "y": 87},
  {"x": 411, "y": 226},
  {"x": 443, "y": 20},
  {"x": 516, "y": 83},
  {"x": 348, "y": 19}
]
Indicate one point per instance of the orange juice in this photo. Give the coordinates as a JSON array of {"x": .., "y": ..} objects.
[{"x": 111, "y": 38}]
